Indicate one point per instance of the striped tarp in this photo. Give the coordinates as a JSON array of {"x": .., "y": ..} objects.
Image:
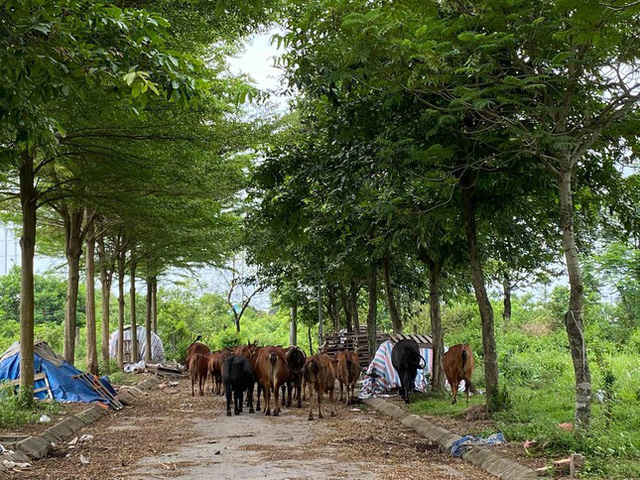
[{"x": 386, "y": 379}]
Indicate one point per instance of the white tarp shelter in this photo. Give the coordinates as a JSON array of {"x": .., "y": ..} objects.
[
  {"x": 157, "y": 349},
  {"x": 385, "y": 379}
]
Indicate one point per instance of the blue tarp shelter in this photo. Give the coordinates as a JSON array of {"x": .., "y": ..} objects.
[{"x": 60, "y": 374}]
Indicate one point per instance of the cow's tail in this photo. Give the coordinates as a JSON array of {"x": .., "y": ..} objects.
[
  {"x": 273, "y": 358},
  {"x": 424, "y": 363},
  {"x": 464, "y": 357}
]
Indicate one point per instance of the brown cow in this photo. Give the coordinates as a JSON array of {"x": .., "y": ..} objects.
[
  {"x": 195, "y": 347},
  {"x": 198, "y": 369},
  {"x": 296, "y": 359},
  {"x": 348, "y": 372},
  {"x": 271, "y": 372},
  {"x": 458, "y": 366},
  {"x": 216, "y": 359},
  {"x": 319, "y": 374}
]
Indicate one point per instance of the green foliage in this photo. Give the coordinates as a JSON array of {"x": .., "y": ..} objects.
[{"x": 14, "y": 411}]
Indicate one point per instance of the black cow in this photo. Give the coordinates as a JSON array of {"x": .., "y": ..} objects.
[
  {"x": 406, "y": 359},
  {"x": 296, "y": 359},
  {"x": 237, "y": 376}
]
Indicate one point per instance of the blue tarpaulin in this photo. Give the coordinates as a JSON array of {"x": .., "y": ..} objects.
[{"x": 60, "y": 374}]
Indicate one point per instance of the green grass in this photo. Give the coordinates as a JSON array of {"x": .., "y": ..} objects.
[
  {"x": 14, "y": 412},
  {"x": 441, "y": 405},
  {"x": 611, "y": 447}
]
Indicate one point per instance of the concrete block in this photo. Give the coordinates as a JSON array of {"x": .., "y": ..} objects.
[
  {"x": 502, "y": 468},
  {"x": 59, "y": 432},
  {"x": 34, "y": 447},
  {"x": 16, "y": 456},
  {"x": 74, "y": 424}
]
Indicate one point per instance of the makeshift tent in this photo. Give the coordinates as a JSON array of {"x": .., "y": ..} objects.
[
  {"x": 157, "y": 349},
  {"x": 64, "y": 387},
  {"x": 382, "y": 378}
]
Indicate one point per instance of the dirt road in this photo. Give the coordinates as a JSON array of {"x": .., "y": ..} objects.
[{"x": 171, "y": 435}]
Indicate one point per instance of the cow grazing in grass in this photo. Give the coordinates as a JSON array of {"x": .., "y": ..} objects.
[
  {"x": 458, "y": 366},
  {"x": 237, "y": 377},
  {"x": 320, "y": 375},
  {"x": 348, "y": 372},
  {"x": 195, "y": 347},
  {"x": 198, "y": 370},
  {"x": 271, "y": 373},
  {"x": 296, "y": 359},
  {"x": 406, "y": 359}
]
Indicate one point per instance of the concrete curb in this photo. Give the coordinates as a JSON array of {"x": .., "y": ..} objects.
[
  {"x": 37, "y": 447},
  {"x": 480, "y": 456}
]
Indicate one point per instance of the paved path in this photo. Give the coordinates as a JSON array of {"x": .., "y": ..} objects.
[{"x": 176, "y": 436}]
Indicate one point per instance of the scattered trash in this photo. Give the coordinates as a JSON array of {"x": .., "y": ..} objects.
[
  {"x": 73, "y": 442},
  {"x": 355, "y": 410},
  {"x": 84, "y": 460},
  {"x": 12, "y": 464},
  {"x": 45, "y": 419},
  {"x": 544, "y": 471},
  {"x": 468, "y": 441},
  {"x": 169, "y": 384},
  {"x": 567, "y": 426},
  {"x": 137, "y": 367},
  {"x": 4, "y": 451},
  {"x": 573, "y": 463},
  {"x": 86, "y": 438},
  {"x": 533, "y": 444}
]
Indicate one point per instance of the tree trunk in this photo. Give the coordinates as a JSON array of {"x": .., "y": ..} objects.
[
  {"x": 573, "y": 318},
  {"x": 333, "y": 307},
  {"x": 372, "y": 315},
  {"x": 73, "y": 250},
  {"x": 293, "y": 326},
  {"x": 396, "y": 321},
  {"x": 353, "y": 298},
  {"x": 320, "y": 330},
  {"x": 435, "y": 270},
  {"x": 28, "y": 201},
  {"x": 134, "y": 323},
  {"x": 506, "y": 312},
  {"x": 347, "y": 309},
  {"x": 92, "y": 350},
  {"x": 486, "y": 311},
  {"x": 155, "y": 305},
  {"x": 121, "y": 273},
  {"x": 106, "y": 278},
  {"x": 147, "y": 357}
]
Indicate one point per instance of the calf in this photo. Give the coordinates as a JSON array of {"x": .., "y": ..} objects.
[
  {"x": 458, "y": 366},
  {"x": 195, "y": 347},
  {"x": 295, "y": 361},
  {"x": 237, "y": 376},
  {"x": 271, "y": 372},
  {"x": 406, "y": 359},
  {"x": 198, "y": 369},
  {"x": 319, "y": 374},
  {"x": 348, "y": 372}
]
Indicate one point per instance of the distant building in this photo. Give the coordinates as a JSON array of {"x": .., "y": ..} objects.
[{"x": 9, "y": 249}]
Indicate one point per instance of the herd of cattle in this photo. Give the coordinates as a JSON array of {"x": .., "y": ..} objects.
[{"x": 282, "y": 372}]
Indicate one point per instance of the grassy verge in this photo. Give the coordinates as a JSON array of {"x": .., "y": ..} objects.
[
  {"x": 14, "y": 412},
  {"x": 611, "y": 447}
]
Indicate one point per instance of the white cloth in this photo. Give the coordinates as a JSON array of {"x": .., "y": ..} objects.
[{"x": 157, "y": 349}]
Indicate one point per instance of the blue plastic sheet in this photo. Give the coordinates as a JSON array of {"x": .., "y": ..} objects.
[
  {"x": 459, "y": 447},
  {"x": 64, "y": 387}
]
